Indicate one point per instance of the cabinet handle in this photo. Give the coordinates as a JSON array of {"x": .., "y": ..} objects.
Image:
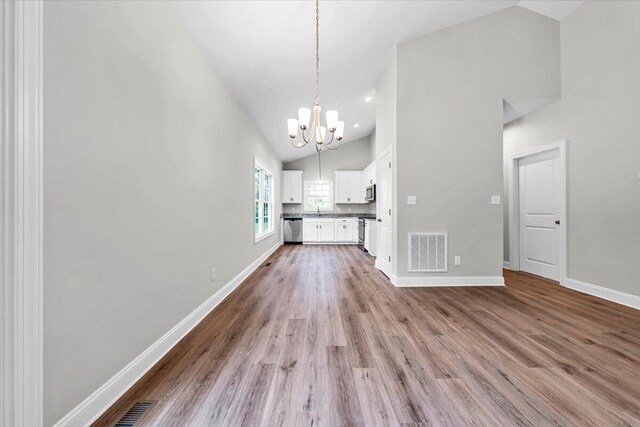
[
  {"x": 292, "y": 199},
  {"x": 348, "y": 199}
]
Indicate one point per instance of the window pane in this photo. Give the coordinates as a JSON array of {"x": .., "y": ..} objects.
[{"x": 267, "y": 188}]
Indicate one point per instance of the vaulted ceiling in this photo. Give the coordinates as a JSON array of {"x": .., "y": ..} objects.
[{"x": 265, "y": 52}]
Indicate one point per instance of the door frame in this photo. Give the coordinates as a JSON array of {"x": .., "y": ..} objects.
[
  {"x": 21, "y": 228},
  {"x": 514, "y": 209}
]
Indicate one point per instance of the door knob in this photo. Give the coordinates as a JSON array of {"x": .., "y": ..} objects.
[{"x": 557, "y": 222}]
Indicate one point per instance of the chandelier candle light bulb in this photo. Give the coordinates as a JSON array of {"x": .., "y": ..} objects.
[{"x": 306, "y": 121}]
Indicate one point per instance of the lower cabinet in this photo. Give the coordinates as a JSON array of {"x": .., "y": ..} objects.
[
  {"x": 318, "y": 230},
  {"x": 326, "y": 232},
  {"x": 330, "y": 230}
]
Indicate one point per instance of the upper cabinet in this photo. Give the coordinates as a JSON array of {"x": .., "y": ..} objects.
[
  {"x": 368, "y": 178},
  {"x": 348, "y": 187},
  {"x": 291, "y": 186},
  {"x": 369, "y": 175}
]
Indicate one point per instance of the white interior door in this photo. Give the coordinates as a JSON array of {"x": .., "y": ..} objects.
[
  {"x": 539, "y": 216},
  {"x": 384, "y": 200}
]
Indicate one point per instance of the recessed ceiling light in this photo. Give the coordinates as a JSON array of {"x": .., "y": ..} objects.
[
  {"x": 357, "y": 125},
  {"x": 368, "y": 99}
]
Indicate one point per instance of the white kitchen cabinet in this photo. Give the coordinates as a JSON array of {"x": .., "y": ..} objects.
[
  {"x": 326, "y": 231},
  {"x": 370, "y": 236},
  {"x": 347, "y": 230},
  {"x": 368, "y": 178},
  {"x": 309, "y": 230},
  {"x": 315, "y": 230},
  {"x": 291, "y": 186},
  {"x": 330, "y": 230},
  {"x": 348, "y": 187},
  {"x": 369, "y": 175}
]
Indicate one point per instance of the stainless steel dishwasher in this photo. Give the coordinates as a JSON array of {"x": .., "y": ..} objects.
[{"x": 292, "y": 230}]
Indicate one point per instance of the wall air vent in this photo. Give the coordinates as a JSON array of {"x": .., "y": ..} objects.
[
  {"x": 135, "y": 414},
  {"x": 428, "y": 252}
]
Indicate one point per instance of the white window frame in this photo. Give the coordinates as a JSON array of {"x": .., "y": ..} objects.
[
  {"x": 306, "y": 196},
  {"x": 262, "y": 234}
]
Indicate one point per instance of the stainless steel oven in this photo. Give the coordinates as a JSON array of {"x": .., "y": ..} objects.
[
  {"x": 370, "y": 194},
  {"x": 361, "y": 232}
]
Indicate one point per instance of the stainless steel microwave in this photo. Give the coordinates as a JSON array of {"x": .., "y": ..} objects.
[{"x": 370, "y": 194}]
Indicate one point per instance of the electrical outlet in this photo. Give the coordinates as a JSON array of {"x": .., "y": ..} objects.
[
  {"x": 412, "y": 200},
  {"x": 213, "y": 274},
  {"x": 495, "y": 200},
  {"x": 456, "y": 260}
]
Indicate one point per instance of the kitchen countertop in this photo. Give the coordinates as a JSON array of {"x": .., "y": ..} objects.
[{"x": 329, "y": 215}]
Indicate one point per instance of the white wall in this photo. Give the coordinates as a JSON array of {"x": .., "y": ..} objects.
[
  {"x": 598, "y": 114},
  {"x": 355, "y": 155},
  {"x": 148, "y": 164},
  {"x": 450, "y": 87}
]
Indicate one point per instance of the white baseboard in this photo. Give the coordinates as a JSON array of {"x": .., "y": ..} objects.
[
  {"x": 402, "y": 282},
  {"x": 506, "y": 264},
  {"x": 102, "y": 399},
  {"x": 623, "y": 298}
]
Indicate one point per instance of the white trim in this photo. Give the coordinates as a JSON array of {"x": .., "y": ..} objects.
[
  {"x": 104, "y": 397},
  {"x": 514, "y": 232},
  {"x": 623, "y": 298},
  {"x": 506, "y": 264},
  {"x": 261, "y": 237},
  {"x": 257, "y": 162},
  {"x": 449, "y": 281},
  {"x": 21, "y": 226}
]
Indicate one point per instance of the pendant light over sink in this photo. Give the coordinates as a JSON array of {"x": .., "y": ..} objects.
[{"x": 315, "y": 129}]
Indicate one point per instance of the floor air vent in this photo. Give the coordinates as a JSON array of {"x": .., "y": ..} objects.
[
  {"x": 135, "y": 414},
  {"x": 428, "y": 252}
]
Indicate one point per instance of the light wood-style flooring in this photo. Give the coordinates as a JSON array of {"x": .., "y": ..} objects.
[{"x": 317, "y": 336}]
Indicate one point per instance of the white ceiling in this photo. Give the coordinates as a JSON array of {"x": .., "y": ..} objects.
[{"x": 265, "y": 52}]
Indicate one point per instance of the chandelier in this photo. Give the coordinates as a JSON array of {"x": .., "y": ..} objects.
[{"x": 316, "y": 130}]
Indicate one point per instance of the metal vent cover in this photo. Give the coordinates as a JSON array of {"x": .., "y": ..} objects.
[
  {"x": 428, "y": 252},
  {"x": 135, "y": 414}
]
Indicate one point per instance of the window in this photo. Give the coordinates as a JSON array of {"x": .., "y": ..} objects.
[
  {"x": 263, "y": 201},
  {"x": 318, "y": 195}
]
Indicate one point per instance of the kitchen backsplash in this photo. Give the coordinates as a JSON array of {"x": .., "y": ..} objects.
[{"x": 355, "y": 208}]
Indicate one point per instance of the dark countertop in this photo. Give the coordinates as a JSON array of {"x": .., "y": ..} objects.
[{"x": 329, "y": 215}]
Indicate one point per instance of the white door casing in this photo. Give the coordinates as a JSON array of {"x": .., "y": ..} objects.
[
  {"x": 21, "y": 228},
  {"x": 537, "y": 218},
  {"x": 385, "y": 201}
]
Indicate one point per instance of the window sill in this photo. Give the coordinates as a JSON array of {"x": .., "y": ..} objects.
[{"x": 261, "y": 237}]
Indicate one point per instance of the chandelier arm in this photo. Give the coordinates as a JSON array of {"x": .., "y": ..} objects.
[
  {"x": 311, "y": 132},
  {"x": 337, "y": 144},
  {"x": 296, "y": 145}
]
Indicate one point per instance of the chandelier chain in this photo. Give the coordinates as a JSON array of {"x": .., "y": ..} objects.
[{"x": 317, "y": 52}]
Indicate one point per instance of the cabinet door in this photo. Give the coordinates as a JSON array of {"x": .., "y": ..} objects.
[
  {"x": 348, "y": 187},
  {"x": 326, "y": 232},
  {"x": 291, "y": 186},
  {"x": 310, "y": 231},
  {"x": 341, "y": 188},
  {"x": 351, "y": 231},
  {"x": 341, "y": 232},
  {"x": 295, "y": 184}
]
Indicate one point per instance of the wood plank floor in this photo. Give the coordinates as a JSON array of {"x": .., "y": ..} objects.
[{"x": 320, "y": 337}]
